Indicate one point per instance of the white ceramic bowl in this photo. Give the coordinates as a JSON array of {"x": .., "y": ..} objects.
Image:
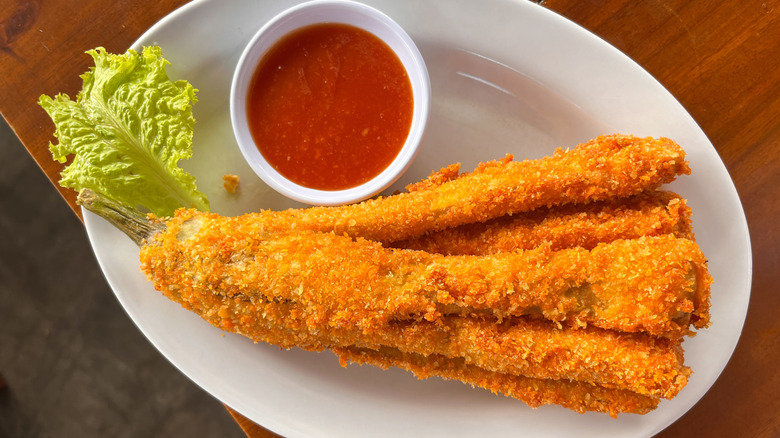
[{"x": 330, "y": 11}]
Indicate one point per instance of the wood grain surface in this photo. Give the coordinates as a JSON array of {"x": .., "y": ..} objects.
[{"x": 721, "y": 60}]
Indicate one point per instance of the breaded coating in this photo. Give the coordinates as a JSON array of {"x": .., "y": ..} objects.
[
  {"x": 446, "y": 174},
  {"x": 230, "y": 183},
  {"x": 654, "y": 284},
  {"x": 533, "y": 348},
  {"x": 565, "y": 280},
  {"x": 522, "y": 346},
  {"x": 647, "y": 214},
  {"x": 577, "y": 396},
  {"x": 536, "y": 348},
  {"x": 320, "y": 290},
  {"x": 603, "y": 168}
]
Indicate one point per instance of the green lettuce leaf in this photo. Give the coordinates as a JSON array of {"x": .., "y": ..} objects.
[{"x": 126, "y": 132}]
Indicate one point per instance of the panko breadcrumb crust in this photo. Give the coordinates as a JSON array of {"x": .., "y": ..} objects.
[
  {"x": 603, "y": 168},
  {"x": 578, "y": 396},
  {"x": 590, "y": 328},
  {"x": 317, "y": 290},
  {"x": 647, "y": 284},
  {"x": 651, "y": 213}
]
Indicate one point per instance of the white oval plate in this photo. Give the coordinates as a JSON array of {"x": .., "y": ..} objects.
[{"x": 507, "y": 77}]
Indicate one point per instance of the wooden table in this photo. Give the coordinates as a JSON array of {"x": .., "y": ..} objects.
[{"x": 720, "y": 59}]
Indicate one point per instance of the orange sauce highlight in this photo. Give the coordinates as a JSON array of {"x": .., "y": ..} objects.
[{"x": 330, "y": 106}]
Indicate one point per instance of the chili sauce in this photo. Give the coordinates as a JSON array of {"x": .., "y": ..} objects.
[{"x": 330, "y": 106}]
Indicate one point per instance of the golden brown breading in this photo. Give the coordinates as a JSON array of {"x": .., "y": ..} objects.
[
  {"x": 651, "y": 284},
  {"x": 533, "y": 348},
  {"x": 647, "y": 214},
  {"x": 537, "y": 324},
  {"x": 230, "y": 183},
  {"x": 578, "y": 396},
  {"x": 319, "y": 290},
  {"x": 603, "y": 168}
]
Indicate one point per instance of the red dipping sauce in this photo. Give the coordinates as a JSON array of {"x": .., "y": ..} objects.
[{"x": 330, "y": 106}]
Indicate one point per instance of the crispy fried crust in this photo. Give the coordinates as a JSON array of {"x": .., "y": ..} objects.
[
  {"x": 603, "y": 168},
  {"x": 325, "y": 290},
  {"x": 648, "y": 214},
  {"x": 647, "y": 284},
  {"x": 577, "y": 396},
  {"x": 533, "y": 348},
  {"x": 539, "y": 324}
]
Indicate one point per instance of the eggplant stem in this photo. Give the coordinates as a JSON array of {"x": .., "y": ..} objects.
[{"x": 131, "y": 221}]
